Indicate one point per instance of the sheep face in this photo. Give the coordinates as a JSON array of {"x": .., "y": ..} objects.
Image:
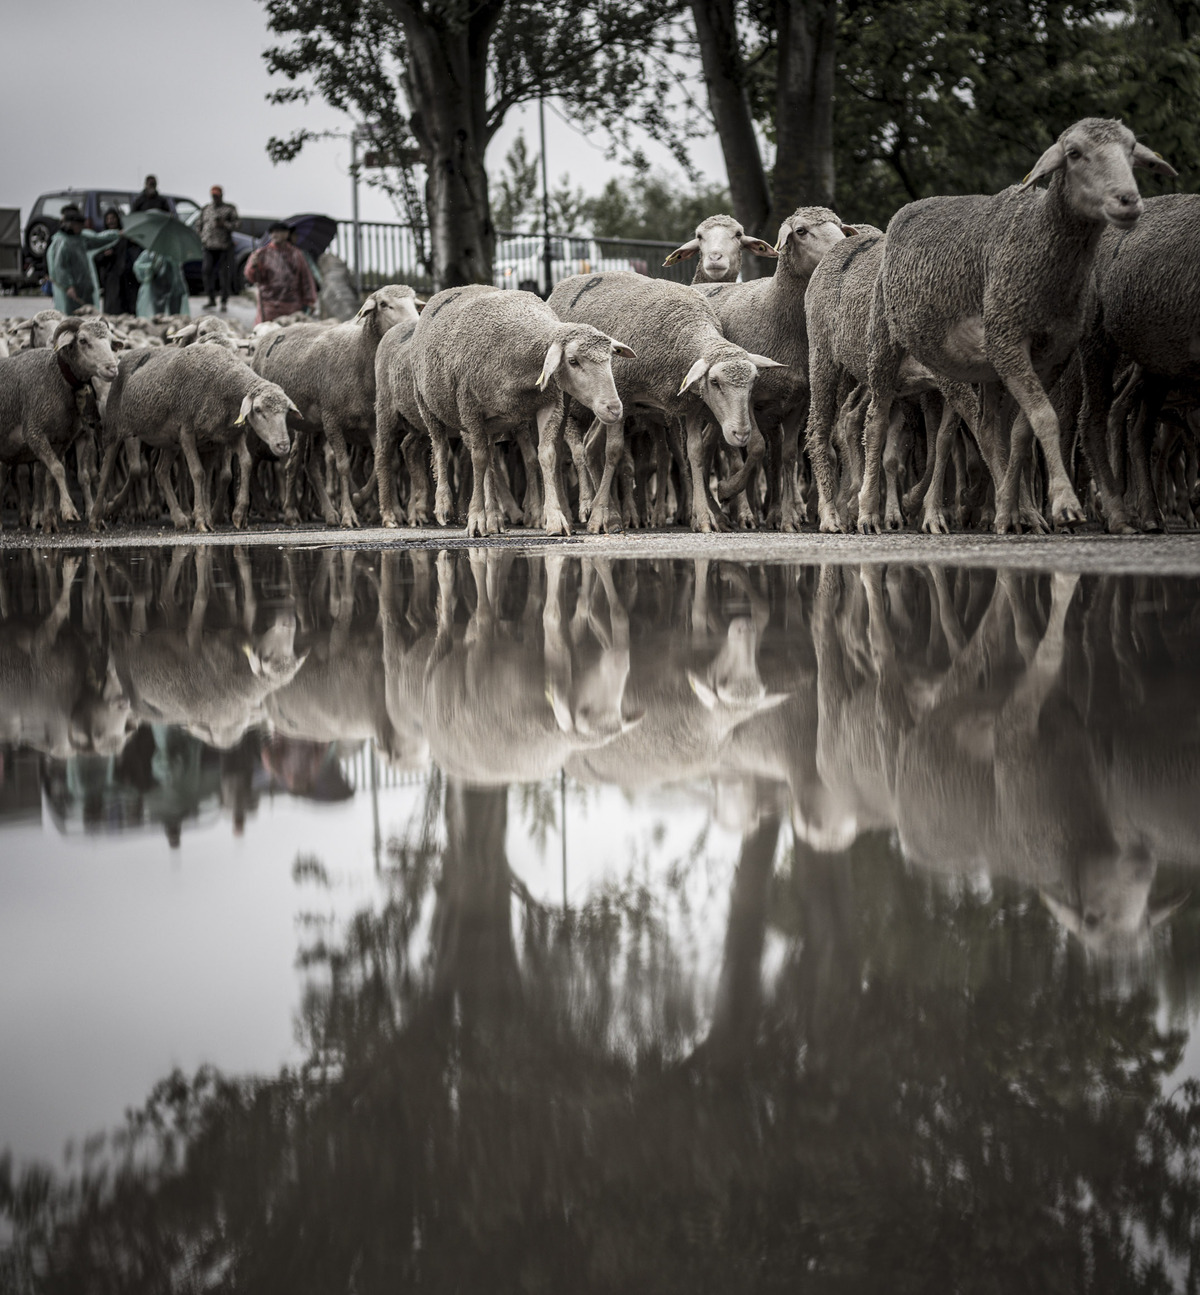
[
  {"x": 807, "y": 235},
  {"x": 92, "y": 343},
  {"x": 266, "y": 408},
  {"x": 581, "y": 362},
  {"x": 394, "y": 304},
  {"x": 1097, "y": 158},
  {"x": 725, "y": 387},
  {"x": 719, "y": 242}
]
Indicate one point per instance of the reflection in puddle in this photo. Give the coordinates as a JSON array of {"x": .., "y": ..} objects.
[{"x": 742, "y": 922}]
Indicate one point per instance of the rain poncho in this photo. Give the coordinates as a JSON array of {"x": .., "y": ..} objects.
[
  {"x": 163, "y": 290},
  {"x": 285, "y": 283},
  {"x": 69, "y": 265}
]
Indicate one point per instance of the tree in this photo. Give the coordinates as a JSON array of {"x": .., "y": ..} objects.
[
  {"x": 651, "y": 205},
  {"x": 518, "y": 187},
  {"x": 435, "y": 79}
]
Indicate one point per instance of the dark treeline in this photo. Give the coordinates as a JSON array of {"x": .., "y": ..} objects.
[{"x": 868, "y": 104}]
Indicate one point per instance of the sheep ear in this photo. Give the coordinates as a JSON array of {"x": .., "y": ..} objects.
[
  {"x": 1064, "y": 914},
  {"x": 708, "y": 698},
  {"x": 785, "y": 232},
  {"x": 619, "y": 348},
  {"x": 64, "y": 337},
  {"x": 420, "y": 304},
  {"x": 295, "y": 408},
  {"x": 1152, "y": 161},
  {"x": 1051, "y": 160},
  {"x": 684, "y": 253},
  {"x": 244, "y": 412},
  {"x": 1164, "y": 912},
  {"x": 764, "y": 362},
  {"x": 369, "y": 305},
  {"x": 850, "y": 231},
  {"x": 757, "y": 246},
  {"x": 694, "y": 374},
  {"x": 553, "y": 360}
]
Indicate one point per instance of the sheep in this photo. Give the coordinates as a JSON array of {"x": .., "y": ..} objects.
[
  {"x": 338, "y": 298},
  {"x": 486, "y": 361},
  {"x": 36, "y": 332},
  {"x": 767, "y": 315},
  {"x": 718, "y": 242},
  {"x": 685, "y": 367},
  {"x": 1144, "y": 309},
  {"x": 838, "y": 311},
  {"x": 208, "y": 329},
  {"x": 198, "y": 398},
  {"x": 989, "y": 289},
  {"x": 396, "y": 412},
  {"x": 329, "y": 372},
  {"x": 44, "y": 399}
]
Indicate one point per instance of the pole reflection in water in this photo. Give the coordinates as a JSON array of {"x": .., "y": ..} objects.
[{"x": 936, "y": 1037}]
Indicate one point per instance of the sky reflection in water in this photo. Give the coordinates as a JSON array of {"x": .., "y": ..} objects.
[{"x": 488, "y": 921}]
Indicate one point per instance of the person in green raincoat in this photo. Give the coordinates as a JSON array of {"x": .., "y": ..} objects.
[
  {"x": 69, "y": 261},
  {"x": 164, "y": 287}
]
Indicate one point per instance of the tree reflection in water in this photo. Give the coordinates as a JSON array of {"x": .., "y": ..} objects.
[{"x": 931, "y": 1084}]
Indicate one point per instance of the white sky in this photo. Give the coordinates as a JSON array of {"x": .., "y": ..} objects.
[{"x": 97, "y": 95}]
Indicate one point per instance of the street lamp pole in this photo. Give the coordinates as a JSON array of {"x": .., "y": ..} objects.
[
  {"x": 354, "y": 210},
  {"x": 546, "y": 258}
]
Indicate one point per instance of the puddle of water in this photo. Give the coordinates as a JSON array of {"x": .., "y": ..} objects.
[{"x": 485, "y": 921}]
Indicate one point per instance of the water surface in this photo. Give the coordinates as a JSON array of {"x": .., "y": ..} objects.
[{"x": 484, "y": 921}]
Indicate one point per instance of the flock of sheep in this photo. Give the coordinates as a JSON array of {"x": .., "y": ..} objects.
[{"x": 924, "y": 364}]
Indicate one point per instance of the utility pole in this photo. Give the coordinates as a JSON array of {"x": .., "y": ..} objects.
[
  {"x": 354, "y": 210},
  {"x": 547, "y": 259}
]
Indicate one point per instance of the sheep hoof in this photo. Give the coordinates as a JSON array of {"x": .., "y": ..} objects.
[
  {"x": 934, "y": 524},
  {"x": 557, "y": 523},
  {"x": 868, "y": 524},
  {"x": 893, "y": 521},
  {"x": 831, "y": 525}
]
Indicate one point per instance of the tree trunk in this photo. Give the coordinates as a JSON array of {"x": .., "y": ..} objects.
[
  {"x": 807, "y": 31},
  {"x": 446, "y": 81},
  {"x": 724, "y": 75}
]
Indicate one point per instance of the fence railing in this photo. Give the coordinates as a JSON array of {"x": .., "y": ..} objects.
[{"x": 388, "y": 254}]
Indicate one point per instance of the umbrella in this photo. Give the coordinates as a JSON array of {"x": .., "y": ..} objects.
[
  {"x": 312, "y": 233},
  {"x": 160, "y": 232}
]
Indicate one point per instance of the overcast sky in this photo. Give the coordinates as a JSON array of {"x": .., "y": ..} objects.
[{"x": 99, "y": 94}]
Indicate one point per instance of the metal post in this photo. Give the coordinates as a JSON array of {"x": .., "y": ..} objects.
[
  {"x": 354, "y": 210},
  {"x": 562, "y": 810},
  {"x": 375, "y": 805},
  {"x": 546, "y": 257}
]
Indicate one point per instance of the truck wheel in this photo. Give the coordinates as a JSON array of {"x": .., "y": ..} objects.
[{"x": 38, "y": 238}]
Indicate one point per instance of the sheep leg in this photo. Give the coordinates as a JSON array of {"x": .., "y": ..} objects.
[
  {"x": 106, "y": 469},
  {"x": 933, "y": 520},
  {"x": 1039, "y": 417},
  {"x": 297, "y": 456},
  {"x": 627, "y": 481},
  {"x": 39, "y": 443},
  {"x": 573, "y": 435},
  {"x": 316, "y": 479},
  {"x": 1141, "y": 438},
  {"x": 885, "y": 368},
  {"x": 662, "y": 477},
  {"x": 336, "y": 441},
  {"x": 162, "y": 472},
  {"x": 532, "y": 503},
  {"x": 793, "y": 507},
  {"x": 603, "y": 517},
  {"x": 554, "y": 514},
  {"x": 701, "y": 441},
  {"x": 85, "y": 468},
  {"x": 848, "y": 432},
  {"x": 387, "y": 427},
  {"x": 200, "y": 506},
  {"x": 895, "y": 452},
  {"x": 411, "y": 448},
  {"x": 822, "y": 411},
  {"x": 242, "y": 504},
  {"x": 504, "y": 495},
  {"x": 479, "y": 446},
  {"x": 220, "y": 497},
  {"x": 363, "y": 494}
]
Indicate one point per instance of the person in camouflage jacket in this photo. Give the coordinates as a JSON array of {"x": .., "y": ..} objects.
[{"x": 218, "y": 220}]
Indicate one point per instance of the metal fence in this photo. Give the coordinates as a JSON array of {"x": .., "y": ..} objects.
[{"x": 388, "y": 254}]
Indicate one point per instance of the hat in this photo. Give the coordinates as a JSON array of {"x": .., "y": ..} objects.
[
  {"x": 71, "y": 212},
  {"x": 278, "y": 224}
]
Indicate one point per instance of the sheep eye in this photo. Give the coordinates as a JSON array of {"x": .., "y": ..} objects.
[
  {"x": 573, "y": 362},
  {"x": 1074, "y": 154},
  {"x": 716, "y": 385}
]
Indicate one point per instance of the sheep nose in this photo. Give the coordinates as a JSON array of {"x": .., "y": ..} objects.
[{"x": 611, "y": 411}]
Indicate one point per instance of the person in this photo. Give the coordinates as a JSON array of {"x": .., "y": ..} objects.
[
  {"x": 114, "y": 268},
  {"x": 218, "y": 220},
  {"x": 150, "y": 199},
  {"x": 69, "y": 263},
  {"x": 280, "y": 273},
  {"x": 164, "y": 289}
]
